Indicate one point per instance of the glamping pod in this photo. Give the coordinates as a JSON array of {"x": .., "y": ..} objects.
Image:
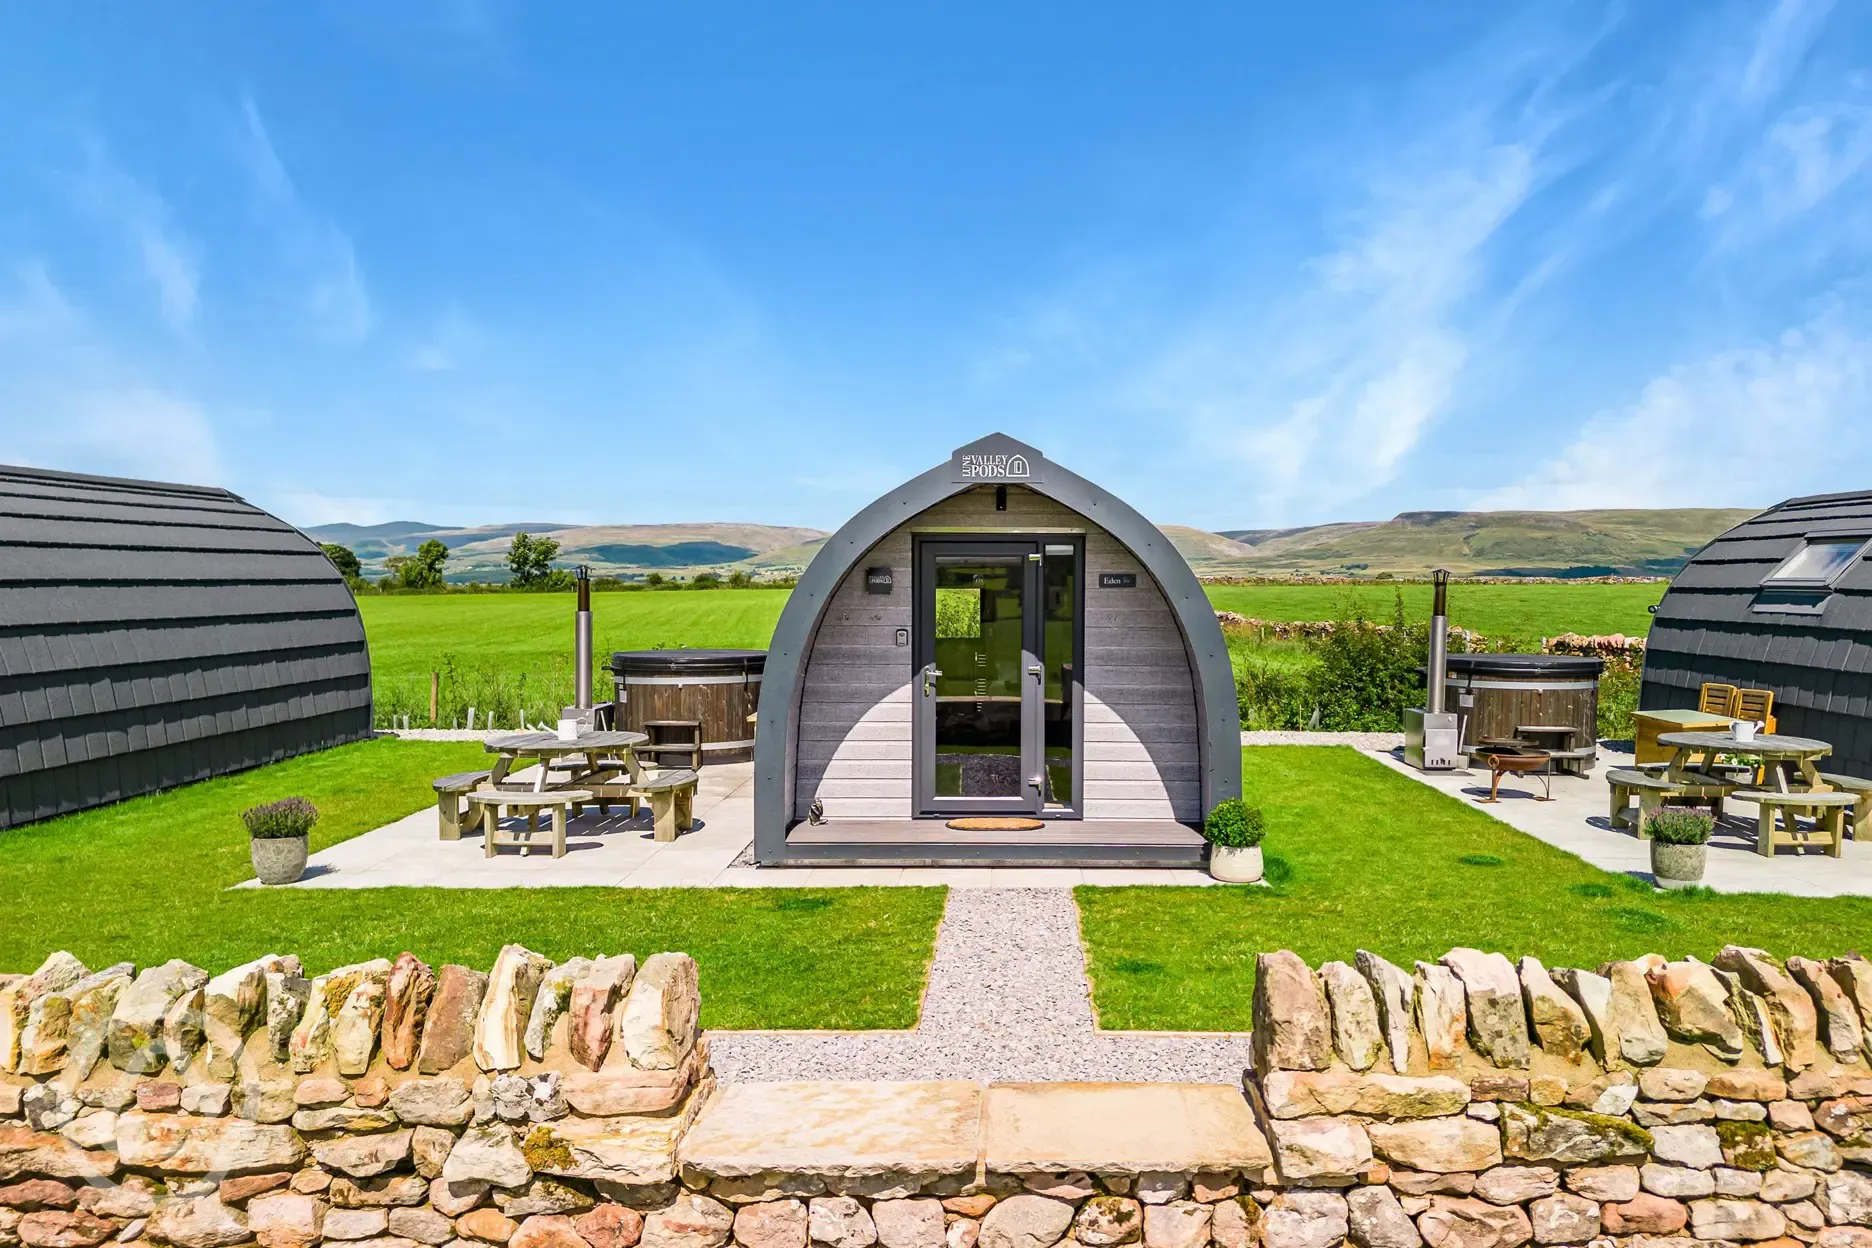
[
  {"x": 153, "y": 634},
  {"x": 996, "y": 663},
  {"x": 1782, "y": 602}
]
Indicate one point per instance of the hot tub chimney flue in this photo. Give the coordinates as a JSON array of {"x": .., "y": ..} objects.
[
  {"x": 582, "y": 642},
  {"x": 1432, "y": 735},
  {"x": 1437, "y": 673}
]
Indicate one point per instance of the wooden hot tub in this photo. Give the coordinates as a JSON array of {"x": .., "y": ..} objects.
[
  {"x": 1493, "y": 694},
  {"x": 720, "y": 688}
]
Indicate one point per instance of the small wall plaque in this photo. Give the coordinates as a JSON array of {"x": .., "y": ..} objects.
[
  {"x": 877, "y": 580},
  {"x": 1117, "y": 580}
]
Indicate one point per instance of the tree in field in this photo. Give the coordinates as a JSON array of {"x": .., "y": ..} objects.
[
  {"x": 422, "y": 570},
  {"x": 529, "y": 561},
  {"x": 739, "y": 579},
  {"x": 344, "y": 559}
]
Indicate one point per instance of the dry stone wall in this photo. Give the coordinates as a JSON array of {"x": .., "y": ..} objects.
[
  {"x": 1476, "y": 1102},
  {"x": 384, "y": 1104},
  {"x": 1470, "y": 1102}
]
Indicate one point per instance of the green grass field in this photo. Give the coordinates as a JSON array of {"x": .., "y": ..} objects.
[
  {"x": 1494, "y": 610},
  {"x": 534, "y": 630},
  {"x": 147, "y": 880},
  {"x": 1359, "y": 857},
  {"x": 512, "y": 653}
]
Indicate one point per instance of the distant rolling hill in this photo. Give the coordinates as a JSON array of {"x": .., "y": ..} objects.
[
  {"x": 480, "y": 553},
  {"x": 1472, "y": 543},
  {"x": 1502, "y": 543}
]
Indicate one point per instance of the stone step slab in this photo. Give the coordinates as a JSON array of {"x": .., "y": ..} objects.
[
  {"x": 1125, "y": 1128},
  {"x": 837, "y": 1130}
]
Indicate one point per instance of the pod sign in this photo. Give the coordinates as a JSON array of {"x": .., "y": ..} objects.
[{"x": 994, "y": 467}]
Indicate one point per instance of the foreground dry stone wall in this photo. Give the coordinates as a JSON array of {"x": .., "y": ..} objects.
[
  {"x": 386, "y": 1104},
  {"x": 1472, "y": 1102},
  {"x": 1476, "y": 1101}
]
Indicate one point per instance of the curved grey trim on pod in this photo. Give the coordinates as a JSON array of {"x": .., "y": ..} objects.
[{"x": 776, "y": 732}]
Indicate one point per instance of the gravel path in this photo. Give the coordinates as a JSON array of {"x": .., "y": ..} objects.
[
  {"x": 1007, "y": 1000},
  {"x": 1359, "y": 740}
]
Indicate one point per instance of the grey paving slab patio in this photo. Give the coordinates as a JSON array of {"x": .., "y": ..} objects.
[
  {"x": 618, "y": 852},
  {"x": 1577, "y": 820}
]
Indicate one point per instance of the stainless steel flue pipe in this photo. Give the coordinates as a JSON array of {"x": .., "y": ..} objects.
[
  {"x": 1436, "y": 674},
  {"x": 582, "y": 642}
]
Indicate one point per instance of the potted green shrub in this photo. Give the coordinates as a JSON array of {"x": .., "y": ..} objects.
[
  {"x": 1234, "y": 830},
  {"x": 1679, "y": 845},
  {"x": 279, "y": 834}
]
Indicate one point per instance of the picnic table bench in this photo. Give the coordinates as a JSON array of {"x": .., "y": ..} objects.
[
  {"x": 1653, "y": 790},
  {"x": 671, "y": 795},
  {"x": 487, "y": 803},
  {"x": 450, "y": 790},
  {"x": 1861, "y": 789},
  {"x": 1827, "y": 809}
]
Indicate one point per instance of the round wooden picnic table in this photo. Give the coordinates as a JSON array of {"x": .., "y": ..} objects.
[
  {"x": 1771, "y": 748},
  {"x": 547, "y": 746}
]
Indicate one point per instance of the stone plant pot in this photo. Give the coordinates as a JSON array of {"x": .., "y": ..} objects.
[
  {"x": 1235, "y": 864},
  {"x": 1677, "y": 866},
  {"x": 278, "y": 859}
]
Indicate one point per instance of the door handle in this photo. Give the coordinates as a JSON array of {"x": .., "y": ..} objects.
[
  {"x": 1037, "y": 672},
  {"x": 929, "y": 679}
]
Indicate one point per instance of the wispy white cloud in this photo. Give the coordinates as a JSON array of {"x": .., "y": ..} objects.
[
  {"x": 450, "y": 345},
  {"x": 1773, "y": 419},
  {"x": 1781, "y": 42},
  {"x": 309, "y": 508},
  {"x": 132, "y": 432},
  {"x": 170, "y": 258},
  {"x": 35, "y": 307},
  {"x": 319, "y": 254},
  {"x": 1328, "y": 388},
  {"x": 1808, "y": 156}
]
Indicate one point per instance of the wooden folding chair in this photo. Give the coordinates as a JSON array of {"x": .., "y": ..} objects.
[
  {"x": 1717, "y": 700},
  {"x": 1755, "y": 704}
]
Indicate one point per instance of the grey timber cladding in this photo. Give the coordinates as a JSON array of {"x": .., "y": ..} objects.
[
  {"x": 1140, "y": 755},
  {"x": 152, "y": 635},
  {"x": 1818, "y": 665},
  {"x": 1161, "y": 722}
]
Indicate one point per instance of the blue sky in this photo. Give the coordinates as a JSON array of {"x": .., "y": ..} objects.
[{"x": 1244, "y": 265}]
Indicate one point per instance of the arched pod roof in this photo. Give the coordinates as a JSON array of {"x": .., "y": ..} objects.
[
  {"x": 1743, "y": 612},
  {"x": 155, "y": 634},
  {"x": 996, "y": 459}
]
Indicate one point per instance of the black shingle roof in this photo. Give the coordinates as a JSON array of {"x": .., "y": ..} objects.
[
  {"x": 1816, "y": 664},
  {"x": 155, "y": 634}
]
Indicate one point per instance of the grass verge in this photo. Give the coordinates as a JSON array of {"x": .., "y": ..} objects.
[
  {"x": 1361, "y": 857},
  {"x": 147, "y": 880}
]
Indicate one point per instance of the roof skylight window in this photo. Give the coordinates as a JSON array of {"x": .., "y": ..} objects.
[{"x": 1819, "y": 562}]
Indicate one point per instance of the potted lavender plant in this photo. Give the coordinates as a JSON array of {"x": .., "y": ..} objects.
[
  {"x": 1679, "y": 845},
  {"x": 279, "y": 835}
]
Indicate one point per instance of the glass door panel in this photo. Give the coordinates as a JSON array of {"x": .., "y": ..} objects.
[
  {"x": 979, "y": 693},
  {"x": 1059, "y": 584}
]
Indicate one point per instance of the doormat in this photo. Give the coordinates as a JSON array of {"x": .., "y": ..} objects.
[{"x": 996, "y": 825}]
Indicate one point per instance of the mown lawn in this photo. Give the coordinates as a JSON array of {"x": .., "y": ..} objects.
[
  {"x": 1360, "y": 857},
  {"x": 147, "y": 880}
]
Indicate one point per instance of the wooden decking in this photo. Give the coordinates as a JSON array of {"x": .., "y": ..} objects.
[{"x": 930, "y": 842}]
